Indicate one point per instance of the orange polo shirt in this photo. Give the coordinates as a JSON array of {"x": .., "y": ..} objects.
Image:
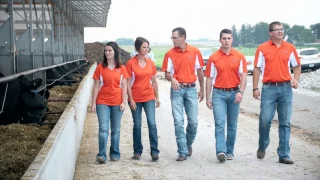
[
  {"x": 141, "y": 84},
  {"x": 183, "y": 65},
  {"x": 225, "y": 68},
  {"x": 110, "y": 92},
  {"x": 275, "y": 61}
]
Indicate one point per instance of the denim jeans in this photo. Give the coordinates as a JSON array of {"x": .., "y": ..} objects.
[
  {"x": 149, "y": 108},
  {"x": 184, "y": 98},
  {"x": 224, "y": 107},
  {"x": 109, "y": 115},
  {"x": 272, "y": 98}
]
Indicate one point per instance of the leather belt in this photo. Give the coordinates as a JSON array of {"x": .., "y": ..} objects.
[
  {"x": 188, "y": 85},
  {"x": 276, "y": 83},
  {"x": 228, "y": 89}
]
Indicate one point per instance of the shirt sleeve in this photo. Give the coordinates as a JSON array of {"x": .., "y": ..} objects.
[
  {"x": 165, "y": 63},
  {"x": 129, "y": 68},
  {"x": 208, "y": 67},
  {"x": 294, "y": 58},
  {"x": 154, "y": 69},
  {"x": 259, "y": 58},
  {"x": 96, "y": 74},
  {"x": 243, "y": 65},
  {"x": 124, "y": 72},
  {"x": 200, "y": 60}
]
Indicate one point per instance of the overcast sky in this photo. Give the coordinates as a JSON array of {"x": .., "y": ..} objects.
[{"x": 154, "y": 19}]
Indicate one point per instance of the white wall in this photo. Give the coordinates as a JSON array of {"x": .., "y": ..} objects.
[{"x": 58, "y": 156}]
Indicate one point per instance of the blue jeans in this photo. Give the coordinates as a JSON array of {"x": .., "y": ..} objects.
[
  {"x": 150, "y": 109},
  {"x": 272, "y": 98},
  {"x": 223, "y": 105},
  {"x": 109, "y": 115},
  {"x": 184, "y": 98}
]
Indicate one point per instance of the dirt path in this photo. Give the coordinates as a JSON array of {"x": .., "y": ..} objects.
[{"x": 203, "y": 163}]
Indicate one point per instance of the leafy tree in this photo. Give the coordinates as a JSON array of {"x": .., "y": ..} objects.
[
  {"x": 236, "y": 40},
  {"x": 307, "y": 36},
  {"x": 260, "y": 33},
  {"x": 243, "y": 35},
  {"x": 315, "y": 28}
]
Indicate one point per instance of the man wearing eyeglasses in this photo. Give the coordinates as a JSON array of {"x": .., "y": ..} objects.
[
  {"x": 273, "y": 58},
  {"x": 182, "y": 65}
]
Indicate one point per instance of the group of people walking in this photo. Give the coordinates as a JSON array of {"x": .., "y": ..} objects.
[{"x": 226, "y": 79}]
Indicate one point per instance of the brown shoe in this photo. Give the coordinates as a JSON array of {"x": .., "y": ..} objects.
[
  {"x": 286, "y": 161},
  {"x": 260, "y": 154},
  {"x": 189, "y": 151},
  {"x": 136, "y": 156},
  {"x": 155, "y": 157},
  {"x": 182, "y": 158}
]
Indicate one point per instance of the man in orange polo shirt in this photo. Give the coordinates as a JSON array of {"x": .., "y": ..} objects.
[
  {"x": 226, "y": 70},
  {"x": 273, "y": 58},
  {"x": 182, "y": 64}
]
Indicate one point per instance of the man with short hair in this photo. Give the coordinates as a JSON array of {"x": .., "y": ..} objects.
[
  {"x": 273, "y": 58},
  {"x": 182, "y": 65},
  {"x": 226, "y": 73}
]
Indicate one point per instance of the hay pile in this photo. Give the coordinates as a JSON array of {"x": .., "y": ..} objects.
[
  {"x": 94, "y": 52},
  {"x": 62, "y": 92},
  {"x": 59, "y": 92},
  {"x": 19, "y": 145}
]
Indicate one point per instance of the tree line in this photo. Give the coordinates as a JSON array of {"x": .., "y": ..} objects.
[{"x": 251, "y": 35}]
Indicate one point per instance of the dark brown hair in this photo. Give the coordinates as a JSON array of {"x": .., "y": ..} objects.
[
  {"x": 117, "y": 57},
  {"x": 138, "y": 43}
]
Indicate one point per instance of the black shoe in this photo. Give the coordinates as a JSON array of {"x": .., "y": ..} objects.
[
  {"x": 260, "y": 154},
  {"x": 136, "y": 156},
  {"x": 155, "y": 157},
  {"x": 286, "y": 161}
]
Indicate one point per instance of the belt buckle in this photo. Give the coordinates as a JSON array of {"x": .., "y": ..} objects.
[{"x": 278, "y": 83}]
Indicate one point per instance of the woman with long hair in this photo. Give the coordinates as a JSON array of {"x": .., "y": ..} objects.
[
  {"x": 109, "y": 98},
  {"x": 143, "y": 93}
]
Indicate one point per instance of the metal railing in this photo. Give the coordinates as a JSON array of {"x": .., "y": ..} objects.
[{"x": 14, "y": 76}]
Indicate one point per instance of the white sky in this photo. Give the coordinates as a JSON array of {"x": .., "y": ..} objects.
[{"x": 155, "y": 19}]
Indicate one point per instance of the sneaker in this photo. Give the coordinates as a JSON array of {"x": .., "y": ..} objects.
[
  {"x": 155, "y": 157},
  {"x": 260, "y": 154},
  {"x": 230, "y": 157},
  {"x": 222, "y": 157},
  {"x": 136, "y": 156},
  {"x": 101, "y": 160}
]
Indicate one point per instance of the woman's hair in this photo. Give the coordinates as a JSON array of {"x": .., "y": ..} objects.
[
  {"x": 138, "y": 43},
  {"x": 117, "y": 57}
]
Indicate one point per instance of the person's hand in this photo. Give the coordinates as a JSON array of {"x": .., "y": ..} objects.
[
  {"x": 122, "y": 106},
  {"x": 209, "y": 103},
  {"x": 93, "y": 107},
  {"x": 200, "y": 95},
  {"x": 175, "y": 84},
  {"x": 132, "y": 104},
  {"x": 157, "y": 103},
  {"x": 238, "y": 98},
  {"x": 294, "y": 84},
  {"x": 256, "y": 94}
]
